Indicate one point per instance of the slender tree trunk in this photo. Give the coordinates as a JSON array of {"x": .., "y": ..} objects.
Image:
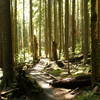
[
  {"x": 31, "y": 30},
  {"x": 78, "y": 36},
  {"x": 54, "y": 43},
  {"x": 82, "y": 23},
  {"x": 73, "y": 27},
  {"x": 62, "y": 18},
  {"x": 40, "y": 29},
  {"x": 67, "y": 32},
  {"x": 66, "y": 28},
  {"x": 55, "y": 21},
  {"x": 50, "y": 27},
  {"x": 24, "y": 28},
  {"x": 86, "y": 30},
  {"x": 15, "y": 33},
  {"x": 60, "y": 26},
  {"x": 46, "y": 29}
]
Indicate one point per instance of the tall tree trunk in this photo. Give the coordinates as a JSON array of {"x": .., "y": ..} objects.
[
  {"x": 78, "y": 36},
  {"x": 66, "y": 28},
  {"x": 55, "y": 21},
  {"x": 67, "y": 32},
  {"x": 50, "y": 27},
  {"x": 15, "y": 33},
  {"x": 82, "y": 23},
  {"x": 40, "y": 29},
  {"x": 73, "y": 27},
  {"x": 54, "y": 43},
  {"x": 31, "y": 30},
  {"x": 86, "y": 30},
  {"x": 46, "y": 29},
  {"x": 95, "y": 29},
  {"x": 60, "y": 26},
  {"x": 5, "y": 33},
  {"x": 62, "y": 18},
  {"x": 24, "y": 29}
]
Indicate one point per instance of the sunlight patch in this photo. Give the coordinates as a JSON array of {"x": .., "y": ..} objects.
[{"x": 44, "y": 85}]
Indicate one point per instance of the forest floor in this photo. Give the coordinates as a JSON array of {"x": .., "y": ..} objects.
[
  {"x": 45, "y": 72},
  {"x": 40, "y": 73},
  {"x": 44, "y": 79}
]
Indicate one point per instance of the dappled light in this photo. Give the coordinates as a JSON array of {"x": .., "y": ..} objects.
[{"x": 49, "y": 50}]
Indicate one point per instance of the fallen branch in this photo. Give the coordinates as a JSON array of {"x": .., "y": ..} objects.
[{"x": 6, "y": 92}]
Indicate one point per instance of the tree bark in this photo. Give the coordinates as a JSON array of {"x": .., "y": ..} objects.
[
  {"x": 46, "y": 29},
  {"x": 50, "y": 27},
  {"x": 6, "y": 35},
  {"x": 40, "y": 28},
  {"x": 73, "y": 27},
  {"x": 86, "y": 30},
  {"x": 95, "y": 29},
  {"x": 66, "y": 28}
]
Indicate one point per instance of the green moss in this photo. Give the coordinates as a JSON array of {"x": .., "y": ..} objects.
[{"x": 56, "y": 72}]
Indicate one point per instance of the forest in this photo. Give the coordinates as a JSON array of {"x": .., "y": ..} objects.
[{"x": 49, "y": 50}]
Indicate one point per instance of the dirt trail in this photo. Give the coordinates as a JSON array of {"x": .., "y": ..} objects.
[{"x": 50, "y": 93}]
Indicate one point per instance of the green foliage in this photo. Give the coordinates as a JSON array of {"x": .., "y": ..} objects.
[
  {"x": 56, "y": 72},
  {"x": 88, "y": 96},
  {"x": 78, "y": 48},
  {"x": 20, "y": 57}
]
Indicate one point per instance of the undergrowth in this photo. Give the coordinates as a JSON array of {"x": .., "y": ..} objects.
[{"x": 88, "y": 96}]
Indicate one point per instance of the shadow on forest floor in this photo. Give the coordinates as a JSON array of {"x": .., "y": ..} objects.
[{"x": 41, "y": 73}]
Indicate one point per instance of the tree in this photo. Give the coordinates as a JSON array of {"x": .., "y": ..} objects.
[
  {"x": 66, "y": 28},
  {"x": 73, "y": 27},
  {"x": 95, "y": 34},
  {"x": 54, "y": 43},
  {"x": 31, "y": 30},
  {"x": 82, "y": 22},
  {"x": 60, "y": 26},
  {"x": 46, "y": 29},
  {"x": 40, "y": 28},
  {"x": 24, "y": 28},
  {"x": 14, "y": 29},
  {"x": 50, "y": 27},
  {"x": 55, "y": 21},
  {"x": 16, "y": 37},
  {"x": 67, "y": 32},
  {"x": 6, "y": 35},
  {"x": 86, "y": 30}
]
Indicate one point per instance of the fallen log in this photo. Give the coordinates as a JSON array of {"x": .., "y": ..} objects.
[
  {"x": 79, "y": 58},
  {"x": 72, "y": 83},
  {"x": 76, "y": 59}
]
